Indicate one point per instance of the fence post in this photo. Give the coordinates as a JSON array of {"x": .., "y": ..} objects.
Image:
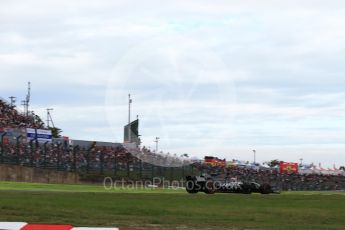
[
  {"x": 171, "y": 173},
  {"x": 163, "y": 172},
  {"x": 45, "y": 154},
  {"x": 31, "y": 153},
  {"x": 26, "y": 154},
  {"x": 101, "y": 158},
  {"x": 58, "y": 157},
  {"x": 75, "y": 148},
  {"x": 141, "y": 169},
  {"x": 39, "y": 149},
  {"x": 2, "y": 146},
  {"x": 17, "y": 148},
  {"x": 183, "y": 172},
  {"x": 153, "y": 171},
  {"x": 160, "y": 171},
  {"x": 115, "y": 162},
  {"x": 88, "y": 159},
  {"x": 127, "y": 168}
]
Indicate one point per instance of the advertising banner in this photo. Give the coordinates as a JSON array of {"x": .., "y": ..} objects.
[
  {"x": 286, "y": 167},
  {"x": 214, "y": 161},
  {"x": 41, "y": 135},
  {"x": 30, "y": 134},
  {"x": 44, "y": 135}
]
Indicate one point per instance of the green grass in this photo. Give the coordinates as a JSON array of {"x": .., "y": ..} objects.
[
  {"x": 87, "y": 205},
  {"x": 22, "y": 186}
]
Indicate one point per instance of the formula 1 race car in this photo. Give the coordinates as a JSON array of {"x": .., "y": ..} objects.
[{"x": 207, "y": 184}]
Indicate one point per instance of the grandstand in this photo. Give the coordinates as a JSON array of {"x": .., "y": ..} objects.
[{"x": 94, "y": 160}]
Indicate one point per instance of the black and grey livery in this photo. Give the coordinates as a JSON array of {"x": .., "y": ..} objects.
[{"x": 207, "y": 184}]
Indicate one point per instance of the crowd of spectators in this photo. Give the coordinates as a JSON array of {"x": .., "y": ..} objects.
[
  {"x": 11, "y": 118},
  {"x": 103, "y": 160},
  {"x": 59, "y": 155}
]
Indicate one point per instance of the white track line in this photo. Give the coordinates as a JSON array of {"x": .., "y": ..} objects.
[{"x": 12, "y": 225}]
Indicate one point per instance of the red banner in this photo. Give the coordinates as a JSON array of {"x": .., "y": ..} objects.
[
  {"x": 214, "y": 161},
  {"x": 286, "y": 167}
]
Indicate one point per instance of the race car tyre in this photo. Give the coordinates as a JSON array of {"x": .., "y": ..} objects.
[
  {"x": 209, "y": 187},
  {"x": 191, "y": 187},
  {"x": 246, "y": 188},
  {"x": 265, "y": 189}
]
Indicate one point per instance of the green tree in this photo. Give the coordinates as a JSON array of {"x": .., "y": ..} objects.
[
  {"x": 38, "y": 120},
  {"x": 273, "y": 163},
  {"x": 56, "y": 132}
]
